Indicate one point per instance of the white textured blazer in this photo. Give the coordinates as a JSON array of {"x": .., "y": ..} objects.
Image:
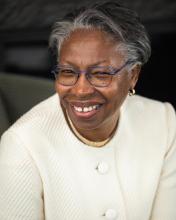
[{"x": 47, "y": 173}]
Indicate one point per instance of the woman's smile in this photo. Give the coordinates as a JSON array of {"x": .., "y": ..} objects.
[{"x": 85, "y": 110}]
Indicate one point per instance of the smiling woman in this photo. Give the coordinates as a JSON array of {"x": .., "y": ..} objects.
[
  {"x": 94, "y": 150},
  {"x": 85, "y": 49}
]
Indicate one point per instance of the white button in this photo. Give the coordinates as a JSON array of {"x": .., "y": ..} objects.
[
  {"x": 111, "y": 214},
  {"x": 103, "y": 167}
]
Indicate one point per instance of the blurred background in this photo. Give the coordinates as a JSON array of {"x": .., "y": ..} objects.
[{"x": 25, "y": 26}]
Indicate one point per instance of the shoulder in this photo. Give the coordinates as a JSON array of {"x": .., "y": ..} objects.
[
  {"x": 39, "y": 114},
  {"x": 148, "y": 107},
  {"x": 151, "y": 118},
  {"x": 38, "y": 129},
  {"x": 41, "y": 120}
]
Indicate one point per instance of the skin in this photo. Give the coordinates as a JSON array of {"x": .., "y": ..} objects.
[{"x": 83, "y": 49}]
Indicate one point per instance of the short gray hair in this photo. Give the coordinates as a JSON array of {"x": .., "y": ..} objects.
[{"x": 121, "y": 23}]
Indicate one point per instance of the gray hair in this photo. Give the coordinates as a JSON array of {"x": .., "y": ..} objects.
[{"x": 120, "y": 23}]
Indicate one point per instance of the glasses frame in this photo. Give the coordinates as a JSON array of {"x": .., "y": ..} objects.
[{"x": 113, "y": 72}]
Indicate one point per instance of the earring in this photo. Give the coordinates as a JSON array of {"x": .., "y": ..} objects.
[{"x": 131, "y": 92}]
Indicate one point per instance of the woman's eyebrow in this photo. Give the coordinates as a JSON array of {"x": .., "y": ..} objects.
[{"x": 69, "y": 63}]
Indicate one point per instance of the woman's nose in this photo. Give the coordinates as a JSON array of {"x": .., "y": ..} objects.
[{"x": 83, "y": 86}]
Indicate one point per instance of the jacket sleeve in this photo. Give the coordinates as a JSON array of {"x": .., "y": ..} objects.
[
  {"x": 20, "y": 183},
  {"x": 164, "y": 207}
]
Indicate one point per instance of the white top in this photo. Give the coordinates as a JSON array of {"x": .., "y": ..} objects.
[{"x": 47, "y": 173}]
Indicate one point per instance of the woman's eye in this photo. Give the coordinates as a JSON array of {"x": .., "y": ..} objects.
[
  {"x": 66, "y": 71},
  {"x": 100, "y": 74}
]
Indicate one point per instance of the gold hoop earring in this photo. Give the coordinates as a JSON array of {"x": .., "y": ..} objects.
[{"x": 131, "y": 92}]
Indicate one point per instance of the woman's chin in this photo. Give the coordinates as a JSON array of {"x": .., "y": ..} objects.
[{"x": 85, "y": 120}]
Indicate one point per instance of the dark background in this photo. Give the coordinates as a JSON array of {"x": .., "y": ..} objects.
[{"x": 25, "y": 26}]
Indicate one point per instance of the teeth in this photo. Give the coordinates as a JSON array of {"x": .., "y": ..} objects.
[
  {"x": 79, "y": 109},
  {"x": 86, "y": 109}
]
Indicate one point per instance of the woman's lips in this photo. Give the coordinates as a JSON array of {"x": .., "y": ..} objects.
[{"x": 85, "y": 110}]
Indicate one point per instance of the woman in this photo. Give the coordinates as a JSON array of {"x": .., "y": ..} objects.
[{"x": 94, "y": 151}]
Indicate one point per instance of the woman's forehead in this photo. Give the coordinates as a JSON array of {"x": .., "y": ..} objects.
[{"x": 88, "y": 46}]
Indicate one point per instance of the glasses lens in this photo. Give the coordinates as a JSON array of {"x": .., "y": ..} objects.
[
  {"x": 100, "y": 76},
  {"x": 66, "y": 76}
]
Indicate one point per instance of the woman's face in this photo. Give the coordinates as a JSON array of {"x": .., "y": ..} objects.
[{"x": 85, "y": 48}]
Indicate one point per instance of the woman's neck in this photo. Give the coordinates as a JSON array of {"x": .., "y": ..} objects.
[{"x": 102, "y": 133}]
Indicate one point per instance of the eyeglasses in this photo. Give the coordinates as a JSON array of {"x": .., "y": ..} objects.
[{"x": 98, "y": 76}]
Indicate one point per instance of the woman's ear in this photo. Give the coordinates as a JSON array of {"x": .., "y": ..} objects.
[{"x": 134, "y": 74}]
